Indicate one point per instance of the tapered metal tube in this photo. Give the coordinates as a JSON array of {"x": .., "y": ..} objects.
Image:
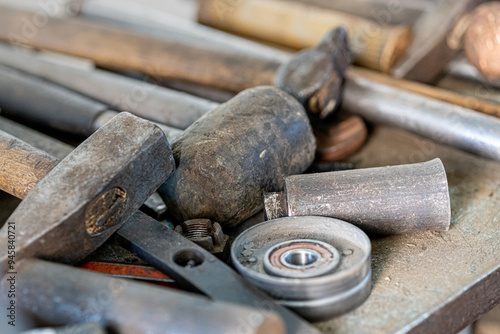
[
  {"x": 59, "y": 295},
  {"x": 385, "y": 200},
  {"x": 442, "y": 122}
]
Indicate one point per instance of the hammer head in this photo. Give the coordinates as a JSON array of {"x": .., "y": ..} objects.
[
  {"x": 315, "y": 76},
  {"x": 89, "y": 194}
]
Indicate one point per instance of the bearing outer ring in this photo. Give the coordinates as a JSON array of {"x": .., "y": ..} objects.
[{"x": 315, "y": 298}]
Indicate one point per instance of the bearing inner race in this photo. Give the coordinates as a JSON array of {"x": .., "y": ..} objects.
[{"x": 301, "y": 258}]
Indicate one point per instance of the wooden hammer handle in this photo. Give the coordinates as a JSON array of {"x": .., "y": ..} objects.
[
  {"x": 22, "y": 166},
  {"x": 301, "y": 26},
  {"x": 119, "y": 48}
]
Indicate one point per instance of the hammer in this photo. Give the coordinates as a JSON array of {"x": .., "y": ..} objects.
[
  {"x": 161, "y": 246},
  {"x": 232, "y": 155},
  {"x": 71, "y": 207},
  {"x": 312, "y": 76}
]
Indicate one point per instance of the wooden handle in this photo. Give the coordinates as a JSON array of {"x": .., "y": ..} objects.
[
  {"x": 119, "y": 48},
  {"x": 301, "y": 26},
  {"x": 22, "y": 166}
]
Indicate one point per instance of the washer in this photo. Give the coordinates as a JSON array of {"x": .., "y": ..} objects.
[{"x": 317, "y": 266}]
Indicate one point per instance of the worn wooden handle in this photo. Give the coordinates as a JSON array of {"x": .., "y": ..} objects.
[
  {"x": 301, "y": 26},
  {"x": 120, "y": 48},
  {"x": 21, "y": 165}
]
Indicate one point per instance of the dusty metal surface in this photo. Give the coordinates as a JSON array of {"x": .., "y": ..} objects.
[
  {"x": 315, "y": 76},
  {"x": 61, "y": 218},
  {"x": 440, "y": 121},
  {"x": 25, "y": 96},
  {"x": 432, "y": 282},
  {"x": 317, "y": 266},
  {"x": 233, "y": 154},
  {"x": 144, "y": 99},
  {"x": 196, "y": 269},
  {"x": 383, "y": 201},
  {"x": 127, "y": 307}
]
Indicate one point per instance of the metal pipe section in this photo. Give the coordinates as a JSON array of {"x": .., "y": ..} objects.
[
  {"x": 383, "y": 201},
  {"x": 439, "y": 121}
]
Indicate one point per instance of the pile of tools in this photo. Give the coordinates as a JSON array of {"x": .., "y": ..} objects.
[{"x": 191, "y": 149}]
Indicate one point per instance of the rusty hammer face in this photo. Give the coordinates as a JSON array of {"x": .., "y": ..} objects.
[{"x": 88, "y": 195}]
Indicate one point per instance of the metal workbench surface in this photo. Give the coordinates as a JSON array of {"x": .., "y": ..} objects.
[{"x": 432, "y": 282}]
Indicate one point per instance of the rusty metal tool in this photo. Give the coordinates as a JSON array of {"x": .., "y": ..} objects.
[
  {"x": 373, "y": 101},
  {"x": 153, "y": 206},
  {"x": 166, "y": 249},
  {"x": 234, "y": 153},
  {"x": 33, "y": 99},
  {"x": 60, "y": 294},
  {"x": 144, "y": 273},
  {"x": 438, "y": 37},
  {"x": 216, "y": 68},
  {"x": 297, "y": 25},
  {"x": 230, "y": 156},
  {"x": 335, "y": 142},
  {"x": 384, "y": 201},
  {"x": 197, "y": 269},
  {"x": 143, "y": 99},
  {"x": 71, "y": 207}
]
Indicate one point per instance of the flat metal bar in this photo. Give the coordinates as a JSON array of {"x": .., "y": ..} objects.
[{"x": 161, "y": 247}]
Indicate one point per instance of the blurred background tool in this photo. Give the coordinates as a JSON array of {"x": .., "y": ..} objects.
[{"x": 300, "y": 26}]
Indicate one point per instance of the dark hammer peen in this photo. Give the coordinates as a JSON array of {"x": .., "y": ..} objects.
[{"x": 73, "y": 206}]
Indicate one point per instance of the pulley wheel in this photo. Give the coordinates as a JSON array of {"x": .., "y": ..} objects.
[{"x": 317, "y": 266}]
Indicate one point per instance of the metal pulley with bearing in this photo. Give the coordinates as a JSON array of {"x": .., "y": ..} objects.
[{"x": 317, "y": 266}]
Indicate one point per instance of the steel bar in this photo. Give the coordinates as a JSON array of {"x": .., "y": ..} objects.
[
  {"x": 387, "y": 105},
  {"x": 32, "y": 99},
  {"x": 440, "y": 121},
  {"x": 62, "y": 295},
  {"x": 141, "y": 98},
  {"x": 198, "y": 269}
]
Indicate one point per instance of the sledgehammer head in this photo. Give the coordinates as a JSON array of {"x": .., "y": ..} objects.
[{"x": 89, "y": 194}]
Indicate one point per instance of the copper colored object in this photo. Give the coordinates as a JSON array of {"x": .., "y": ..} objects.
[
  {"x": 342, "y": 140},
  {"x": 482, "y": 39}
]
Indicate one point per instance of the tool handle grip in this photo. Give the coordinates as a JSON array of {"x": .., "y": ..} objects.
[
  {"x": 301, "y": 26},
  {"x": 119, "y": 48},
  {"x": 21, "y": 165},
  {"x": 33, "y": 99}
]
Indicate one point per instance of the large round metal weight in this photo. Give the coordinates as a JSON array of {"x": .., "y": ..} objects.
[{"x": 317, "y": 266}]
